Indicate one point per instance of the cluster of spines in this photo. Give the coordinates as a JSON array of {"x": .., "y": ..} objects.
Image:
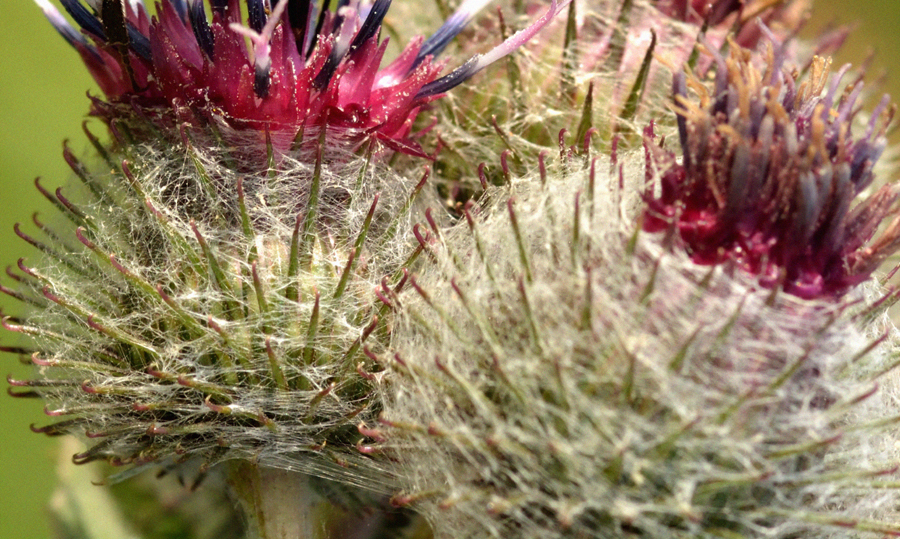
[
  {"x": 506, "y": 422},
  {"x": 169, "y": 363}
]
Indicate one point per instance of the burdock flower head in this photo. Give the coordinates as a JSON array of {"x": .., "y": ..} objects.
[
  {"x": 772, "y": 177},
  {"x": 559, "y": 373},
  {"x": 208, "y": 290}
]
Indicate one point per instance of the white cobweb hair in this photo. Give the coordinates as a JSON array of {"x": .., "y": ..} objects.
[
  {"x": 191, "y": 304},
  {"x": 560, "y": 374}
]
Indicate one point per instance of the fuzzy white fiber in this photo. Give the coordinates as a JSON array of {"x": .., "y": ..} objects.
[
  {"x": 170, "y": 323},
  {"x": 596, "y": 383}
]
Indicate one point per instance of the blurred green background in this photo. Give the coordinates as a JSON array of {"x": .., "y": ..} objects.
[{"x": 42, "y": 102}]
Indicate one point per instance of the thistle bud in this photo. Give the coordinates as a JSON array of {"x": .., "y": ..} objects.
[{"x": 206, "y": 290}]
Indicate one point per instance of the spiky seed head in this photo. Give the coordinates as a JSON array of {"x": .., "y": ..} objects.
[{"x": 560, "y": 373}]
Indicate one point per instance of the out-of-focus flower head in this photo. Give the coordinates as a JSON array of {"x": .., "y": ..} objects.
[
  {"x": 737, "y": 13},
  {"x": 678, "y": 24},
  {"x": 772, "y": 177},
  {"x": 601, "y": 69},
  {"x": 304, "y": 66}
]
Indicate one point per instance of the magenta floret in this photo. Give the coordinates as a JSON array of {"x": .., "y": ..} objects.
[{"x": 305, "y": 66}]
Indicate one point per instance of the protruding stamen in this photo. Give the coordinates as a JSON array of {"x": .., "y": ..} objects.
[
  {"x": 85, "y": 19},
  {"x": 439, "y": 40},
  {"x": 262, "y": 60},
  {"x": 138, "y": 42},
  {"x": 344, "y": 46},
  {"x": 180, "y": 8},
  {"x": 450, "y": 80},
  {"x": 308, "y": 44},
  {"x": 298, "y": 15},
  {"x": 219, "y": 7},
  {"x": 371, "y": 26},
  {"x": 256, "y": 15},
  {"x": 479, "y": 62},
  {"x": 66, "y": 30}
]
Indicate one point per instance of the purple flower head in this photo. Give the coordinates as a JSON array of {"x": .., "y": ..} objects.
[
  {"x": 772, "y": 179},
  {"x": 305, "y": 66}
]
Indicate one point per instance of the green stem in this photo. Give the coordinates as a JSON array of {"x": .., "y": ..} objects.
[{"x": 277, "y": 504}]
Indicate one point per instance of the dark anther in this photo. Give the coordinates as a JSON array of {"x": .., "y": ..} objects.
[
  {"x": 85, "y": 19},
  {"x": 298, "y": 16},
  {"x": 201, "y": 28},
  {"x": 256, "y": 15},
  {"x": 450, "y": 80},
  {"x": 369, "y": 29}
]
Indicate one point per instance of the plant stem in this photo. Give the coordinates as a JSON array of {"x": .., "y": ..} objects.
[{"x": 277, "y": 504}]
